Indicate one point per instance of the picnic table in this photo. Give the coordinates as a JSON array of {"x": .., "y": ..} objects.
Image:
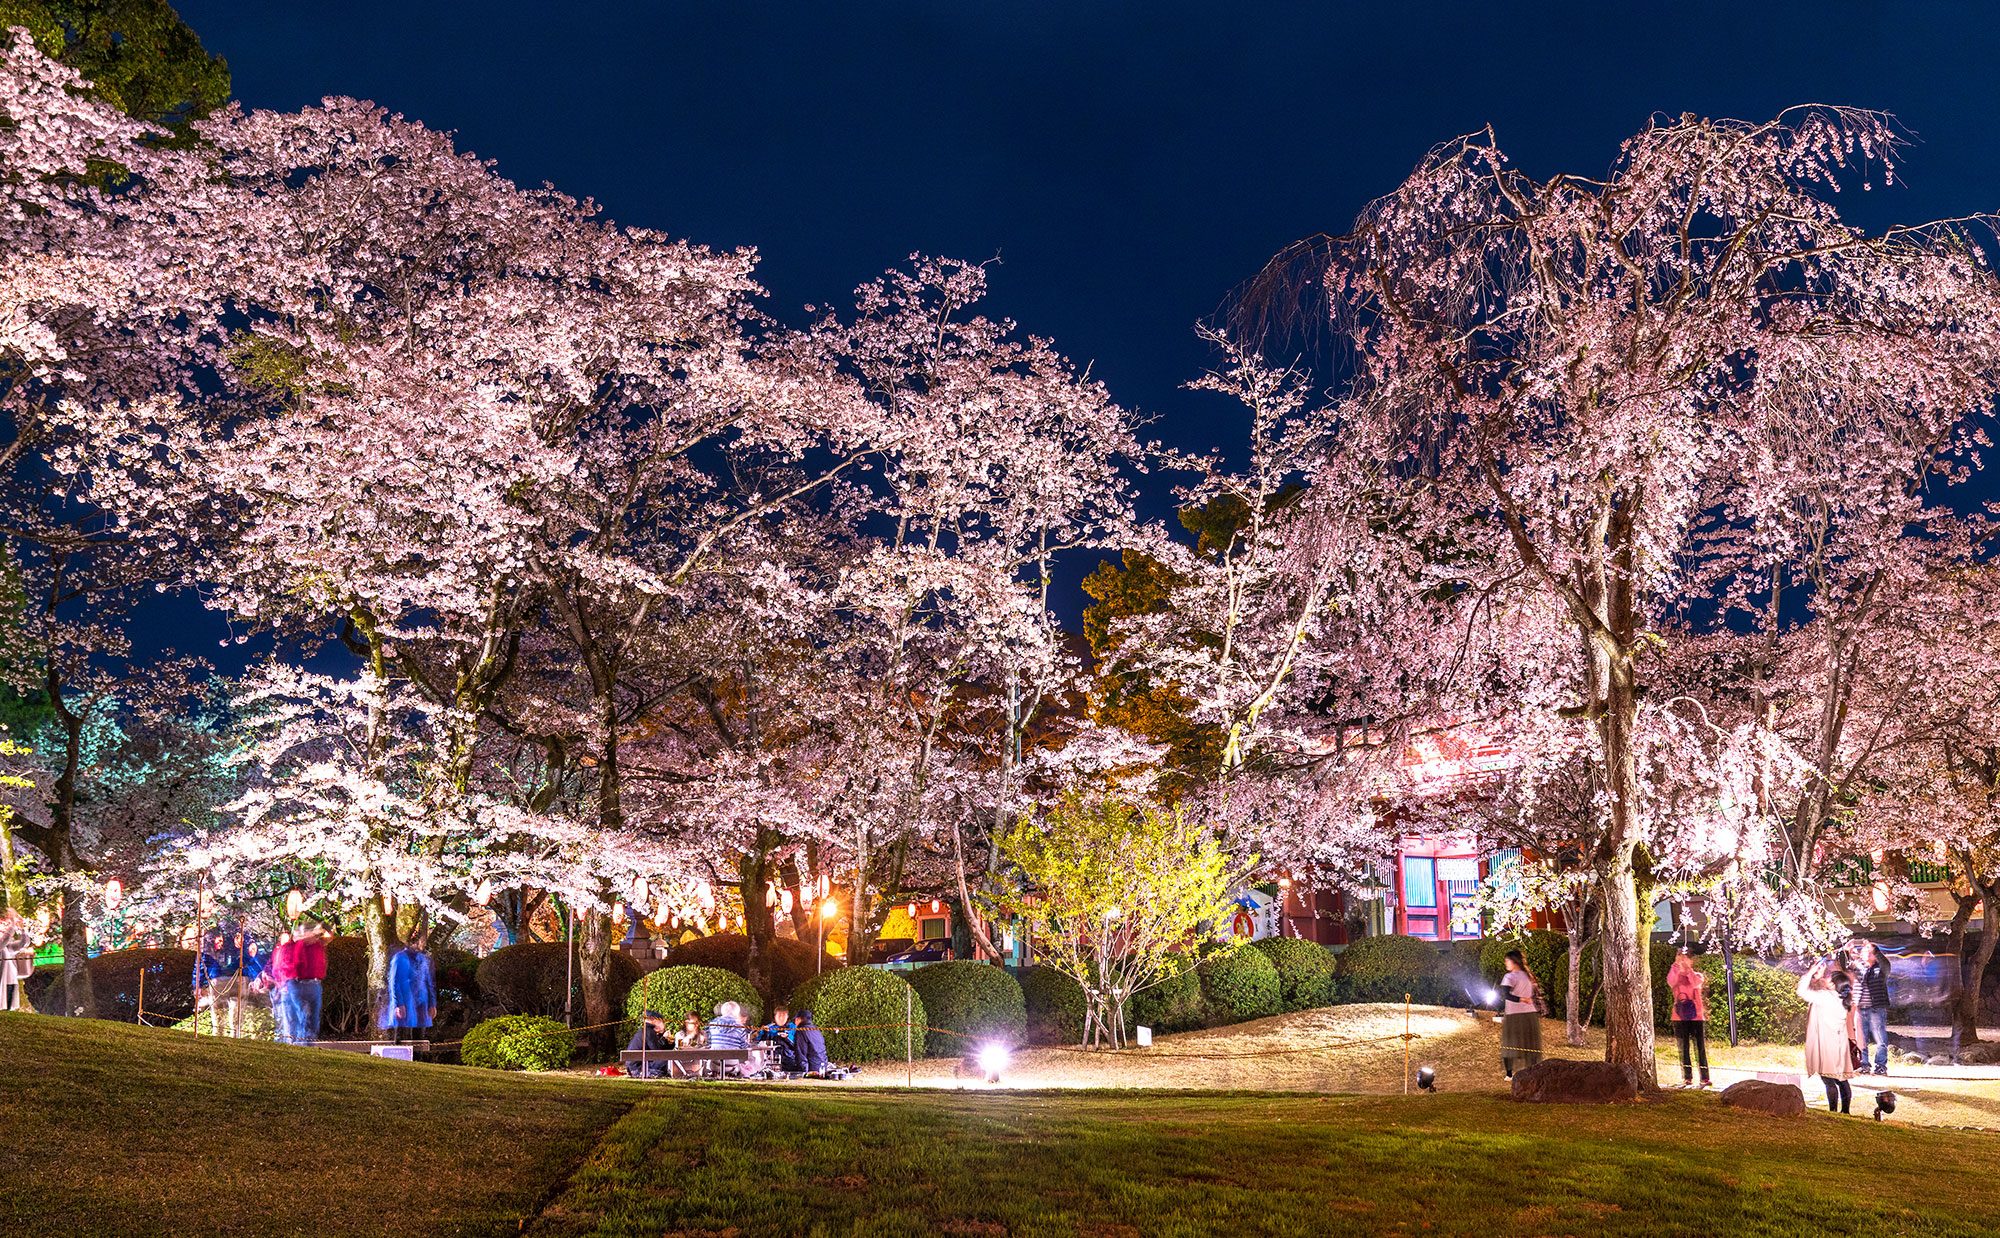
[{"x": 679, "y": 1060}]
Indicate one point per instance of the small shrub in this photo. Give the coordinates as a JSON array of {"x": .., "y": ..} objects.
[
  {"x": 1173, "y": 1005},
  {"x": 871, "y": 1004},
  {"x": 979, "y": 1001},
  {"x": 1305, "y": 971},
  {"x": 674, "y": 993},
  {"x": 1055, "y": 1006},
  {"x": 258, "y": 1022},
  {"x": 792, "y": 961},
  {"x": 518, "y": 1042},
  {"x": 1240, "y": 984},
  {"x": 536, "y": 977},
  {"x": 1383, "y": 969}
]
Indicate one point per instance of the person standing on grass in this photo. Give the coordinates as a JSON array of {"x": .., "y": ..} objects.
[
  {"x": 224, "y": 971},
  {"x": 278, "y": 975},
  {"x": 1829, "y": 1037},
  {"x": 411, "y": 1004},
  {"x": 1521, "y": 1017},
  {"x": 1690, "y": 993},
  {"x": 308, "y": 976},
  {"x": 17, "y": 959},
  {"x": 1871, "y": 1002}
]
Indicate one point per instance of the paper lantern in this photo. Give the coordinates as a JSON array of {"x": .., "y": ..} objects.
[
  {"x": 388, "y": 904},
  {"x": 936, "y": 906},
  {"x": 785, "y": 901},
  {"x": 114, "y": 890},
  {"x": 484, "y": 894},
  {"x": 295, "y": 902},
  {"x": 912, "y": 909}
]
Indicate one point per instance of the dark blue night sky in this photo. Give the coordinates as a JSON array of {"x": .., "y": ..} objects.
[{"x": 1129, "y": 163}]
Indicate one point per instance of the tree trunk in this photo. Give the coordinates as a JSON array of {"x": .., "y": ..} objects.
[
  {"x": 1628, "y": 976},
  {"x": 759, "y": 921},
  {"x": 79, "y": 1000},
  {"x": 1573, "y": 999},
  {"x": 1972, "y": 970},
  {"x": 593, "y": 967},
  {"x": 378, "y": 928}
]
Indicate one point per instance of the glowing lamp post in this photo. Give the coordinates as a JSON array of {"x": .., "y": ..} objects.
[{"x": 827, "y": 910}]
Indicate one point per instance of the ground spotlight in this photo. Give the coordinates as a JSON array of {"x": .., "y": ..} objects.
[
  {"x": 1885, "y": 1103},
  {"x": 1427, "y": 1079},
  {"x": 992, "y": 1060}
]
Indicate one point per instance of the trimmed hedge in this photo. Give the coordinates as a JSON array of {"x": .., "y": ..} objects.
[
  {"x": 114, "y": 982},
  {"x": 1055, "y": 1006},
  {"x": 1175, "y": 1004},
  {"x": 1768, "y": 1005},
  {"x": 674, "y": 993},
  {"x": 872, "y": 1004},
  {"x": 529, "y": 978},
  {"x": 258, "y": 1022},
  {"x": 518, "y": 1042},
  {"x": 979, "y": 1001},
  {"x": 1305, "y": 971},
  {"x": 345, "y": 1012},
  {"x": 791, "y": 961},
  {"x": 1382, "y": 969},
  {"x": 1238, "y": 985}
]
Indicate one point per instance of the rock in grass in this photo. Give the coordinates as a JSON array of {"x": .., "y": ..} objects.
[
  {"x": 1575, "y": 1083},
  {"x": 1780, "y": 1100}
]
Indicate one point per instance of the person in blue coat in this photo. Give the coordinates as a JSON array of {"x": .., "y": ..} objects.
[
  {"x": 811, "y": 1044},
  {"x": 411, "y": 1004}
]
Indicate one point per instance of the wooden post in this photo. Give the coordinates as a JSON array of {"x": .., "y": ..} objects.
[
  {"x": 909, "y": 1054},
  {"x": 142, "y": 997},
  {"x": 1406, "y": 1044}
]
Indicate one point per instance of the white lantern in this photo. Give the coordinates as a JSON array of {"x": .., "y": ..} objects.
[
  {"x": 785, "y": 901},
  {"x": 484, "y": 894},
  {"x": 114, "y": 890},
  {"x": 295, "y": 902}
]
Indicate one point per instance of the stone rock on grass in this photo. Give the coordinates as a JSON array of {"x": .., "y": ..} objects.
[
  {"x": 1573, "y": 1083},
  {"x": 1780, "y": 1100}
]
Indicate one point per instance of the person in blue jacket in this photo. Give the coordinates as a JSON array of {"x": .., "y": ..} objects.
[
  {"x": 411, "y": 1003},
  {"x": 811, "y": 1044}
]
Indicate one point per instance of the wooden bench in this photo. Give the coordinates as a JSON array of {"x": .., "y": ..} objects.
[{"x": 679, "y": 1060}]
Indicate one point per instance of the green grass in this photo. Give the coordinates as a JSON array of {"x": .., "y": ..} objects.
[
  {"x": 107, "y": 1129},
  {"x": 112, "y": 1130},
  {"x": 726, "y": 1162}
]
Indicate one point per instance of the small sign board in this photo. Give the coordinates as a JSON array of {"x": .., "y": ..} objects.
[{"x": 1145, "y": 1037}]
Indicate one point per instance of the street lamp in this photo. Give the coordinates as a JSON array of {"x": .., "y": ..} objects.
[{"x": 826, "y": 912}]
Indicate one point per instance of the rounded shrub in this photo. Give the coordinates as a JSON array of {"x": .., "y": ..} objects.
[
  {"x": 1055, "y": 1006},
  {"x": 791, "y": 961},
  {"x": 1173, "y": 1005},
  {"x": 674, "y": 993},
  {"x": 345, "y": 1012},
  {"x": 535, "y": 977},
  {"x": 1305, "y": 971},
  {"x": 978, "y": 1001},
  {"x": 1382, "y": 969},
  {"x": 870, "y": 1006},
  {"x": 1240, "y": 984},
  {"x": 518, "y": 1042},
  {"x": 258, "y": 1022}
]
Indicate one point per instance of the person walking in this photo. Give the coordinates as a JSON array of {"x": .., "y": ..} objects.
[
  {"x": 1829, "y": 1047},
  {"x": 411, "y": 1003},
  {"x": 224, "y": 971},
  {"x": 1690, "y": 993},
  {"x": 308, "y": 977},
  {"x": 1871, "y": 1003},
  {"x": 1521, "y": 1017},
  {"x": 278, "y": 976},
  {"x": 17, "y": 959}
]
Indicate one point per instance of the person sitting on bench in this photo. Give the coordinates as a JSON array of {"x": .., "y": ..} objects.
[
  {"x": 652, "y": 1035},
  {"x": 780, "y": 1037},
  {"x": 727, "y": 1031}
]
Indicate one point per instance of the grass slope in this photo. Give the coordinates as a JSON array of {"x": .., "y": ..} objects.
[
  {"x": 107, "y": 1129},
  {"x": 716, "y": 1162}
]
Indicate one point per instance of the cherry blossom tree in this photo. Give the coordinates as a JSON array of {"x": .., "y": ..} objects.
[{"x": 1569, "y": 375}]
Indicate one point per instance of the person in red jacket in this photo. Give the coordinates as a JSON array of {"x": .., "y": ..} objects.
[
  {"x": 278, "y": 975},
  {"x": 1690, "y": 994},
  {"x": 308, "y": 971}
]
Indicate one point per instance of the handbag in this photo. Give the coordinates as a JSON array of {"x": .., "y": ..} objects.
[
  {"x": 1684, "y": 1009},
  {"x": 1854, "y": 1056}
]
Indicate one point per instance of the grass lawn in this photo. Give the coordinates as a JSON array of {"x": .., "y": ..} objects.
[
  {"x": 745, "y": 1161},
  {"x": 112, "y": 1130},
  {"x": 108, "y": 1129}
]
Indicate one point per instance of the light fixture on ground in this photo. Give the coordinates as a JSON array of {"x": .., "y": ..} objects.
[
  {"x": 1427, "y": 1079},
  {"x": 1885, "y": 1103},
  {"x": 993, "y": 1058}
]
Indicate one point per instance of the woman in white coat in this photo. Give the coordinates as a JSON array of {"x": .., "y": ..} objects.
[
  {"x": 1829, "y": 1037},
  {"x": 17, "y": 959}
]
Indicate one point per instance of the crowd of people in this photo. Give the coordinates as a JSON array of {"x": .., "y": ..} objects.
[
  {"x": 1847, "y": 1018},
  {"x": 231, "y": 971},
  {"x": 786, "y": 1046}
]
